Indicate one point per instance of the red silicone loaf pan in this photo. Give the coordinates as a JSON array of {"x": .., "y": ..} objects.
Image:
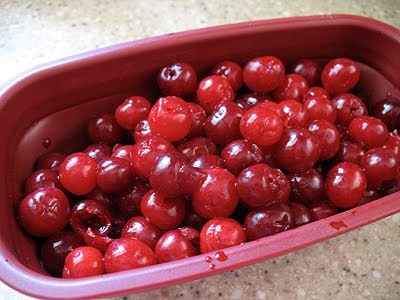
[{"x": 52, "y": 102}]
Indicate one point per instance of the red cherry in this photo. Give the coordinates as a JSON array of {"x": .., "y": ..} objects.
[
  {"x": 319, "y": 108},
  {"x": 104, "y": 129},
  {"x": 345, "y": 184},
  {"x": 260, "y": 185},
  {"x": 177, "y": 79},
  {"x": 268, "y": 220},
  {"x": 198, "y": 116},
  {"x": 301, "y": 214},
  {"x": 261, "y": 126},
  {"x": 98, "y": 151},
  {"x": 83, "y": 262},
  {"x": 216, "y": 195},
  {"x": 42, "y": 178},
  {"x": 126, "y": 254},
  {"x": 222, "y": 126},
  {"x": 142, "y": 229},
  {"x": 221, "y": 233},
  {"x": 264, "y": 74},
  {"x": 294, "y": 87},
  {"x": 348, "y": 107},
  {"x": 78, "y": 173},
  {"x": 368, "y": 131},
  {"x": 165, "y": 213},
  {"x": 133, "y": 110},
  {"x": 309, "y": 69},
  {"x": 328, "y": 137},
  {"x": 51, "y": 160},
  {"x": 340, "y": 75},
  {"x": 44, "y": 212},
  {"x": 231, "y": 71},
  {"x": 56, "y": 248},
  {"x": 213, "y": 90},
  {"x": 322, "y": 209},
  {"x": 249, "y": 100},
  {"x": 298, "y": 150},
  {"x": 172, "y": 245},
  {"x": 170, "y": 117},
  {"x": 114, "y": 175}
]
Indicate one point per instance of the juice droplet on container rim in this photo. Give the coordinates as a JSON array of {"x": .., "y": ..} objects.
[
  {"x": 338, "y": 225},
  {"x": 46, "y": 143},
  {"x": 221, "y": 256},
  {"x": 354, "y": 213},
  {"x": 208, "y": 259},
  {"x": 212, "y": 266}
]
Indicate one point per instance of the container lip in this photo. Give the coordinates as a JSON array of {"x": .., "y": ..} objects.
[{"x": 34, "y": 284}]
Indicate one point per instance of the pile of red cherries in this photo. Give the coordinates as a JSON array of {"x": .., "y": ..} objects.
[{"x": 243, "y": 153}]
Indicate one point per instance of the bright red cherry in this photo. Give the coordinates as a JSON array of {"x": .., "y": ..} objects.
[
  {"x": 78, "y": 173},
  {"x": 212, "y": 90},
  {"x": 44, "y": 212},
  {"x": 261, "y": 126},
  {"x": 319, "y": 108},
  {"x": 83, "y": 262},
  {"x": 264, "y": 74},
  {"x": 249, "y": 100},
  {"x": 298, "y": 150},
  {"x": 348, "y": 107},
  {"x": 368, "y": 131},
  {"x": 98, "y": 151},
  {"x": 221, "y": 233},
  {"x": 114, "y": 175},
  {"x": 294, "y": 87},
  {"x": 42, "y": 178},
  {"x": 126, "y": 254},
  {"x": 173, "y": 245},
  {"x": 307, "y": 187},
  {"x": 216, "y": 195},
  {"x": 328, "y": 136},
  {"x": 165, "y": 213},
  {"x": 198, "y": 117},
  {"x": 133, "y": 110},
  {"x": 140, "y": 228},
  {"x": 340, "y": 75},
  {"x": 170, "y": 117},
  {"x": 345, "y": 184}
]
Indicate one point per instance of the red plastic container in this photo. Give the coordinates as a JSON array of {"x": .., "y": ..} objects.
[{"x": 53, "y": 102}]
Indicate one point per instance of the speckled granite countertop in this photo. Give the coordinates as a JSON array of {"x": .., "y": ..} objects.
[{"x": 363, "y": 264}]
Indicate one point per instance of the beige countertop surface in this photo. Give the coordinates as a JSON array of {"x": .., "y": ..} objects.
[{"x": 362, "y": 264}]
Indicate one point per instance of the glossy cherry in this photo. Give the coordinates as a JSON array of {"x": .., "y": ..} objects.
[
  {"x": 222, "y": 126},
  {"x": 260, "y": 185},
  {"x": 261, "y": 126},
  {"x": 170, "y": 117},
  {"x": 50, "y": 160},
  {"x": 165, "y": 213},
  {"x": 348, "y": 107},
  {"x": 55, "y": 249},
  {"x": 83, "y": 262},
  {"x": 216, "y": 195},
  {"x": 173, "y": 245},
  {"x": 264, "y": 74},
  {"x": 340, "y": 75},
  {"x": 133, "y": 110},
  {"x": 319, "y": 108},
  {"x": 309, "y": 69},
  {"x": 241, "y": 154},
  {"x": 345, "y": 184},
  {"x": 298, "y": 150},
  {"x": 231, "y": 71},
  {"x": 104, "y": 128},
  {"x": 114, "y": 175},
  {"x": 388, "y": 110},
  {"x": 127, "y": 253},
  {"x": 44, "y": 212},
  {"x": 268, "y": 220},
  {"x": 78, "y": 173},
  {"x": 294, "y": 86},
  {"x": 177, "y": 79},
  {"x": 212, "y": 90},
  {"x": 198, "y": 116},
  {"x": 249, "y": 100},
  {"x": 98, "y": 151},
  {"x": 221, "y": 233},
  {"x": 328, "y": 136},
  {"x": 307, "y": 187},
  {"x": 42, "y": 178},
  {"x": 140, "y": 228},
  {"x": 368, "y": 131}
]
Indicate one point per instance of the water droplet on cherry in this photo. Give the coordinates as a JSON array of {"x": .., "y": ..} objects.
[
  {"x": 46, "y": 143},
  {"x": 212, "y": 266}
]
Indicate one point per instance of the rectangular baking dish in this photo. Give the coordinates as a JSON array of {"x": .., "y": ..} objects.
[{"x": 54, "y": 100}]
